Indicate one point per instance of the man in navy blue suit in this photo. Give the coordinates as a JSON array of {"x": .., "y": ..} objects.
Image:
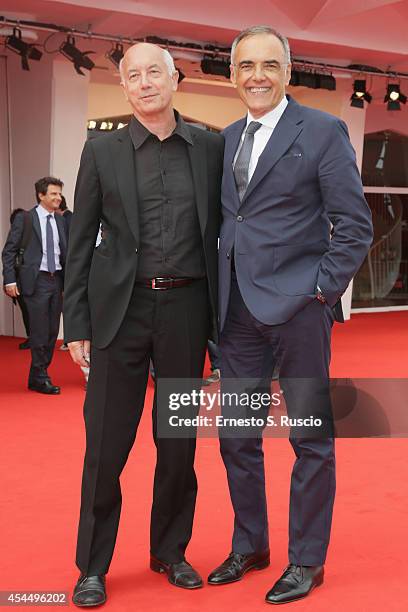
[
  {"x": 289, "y": 175},
  {"x": 38, "y": 238}
]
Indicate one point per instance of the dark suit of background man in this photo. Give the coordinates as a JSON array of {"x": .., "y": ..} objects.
[
  {"x": 20, "y": 298},
  {"x": 149, "y": 290},
  {"x": 40, "y": 278},
  {"x": 286, "y": 178}
]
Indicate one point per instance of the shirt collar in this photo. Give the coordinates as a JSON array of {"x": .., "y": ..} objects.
[
  {"x": 271, "y": 119},
  {"x": 42, "y": 212},
  {"x": 139, "y": 133}
]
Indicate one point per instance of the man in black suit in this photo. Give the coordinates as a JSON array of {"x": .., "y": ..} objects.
[
  {"x": 40, "y": 277},
  {"x": 148, "y": 290},
  {"x": 289, "y": 174}
]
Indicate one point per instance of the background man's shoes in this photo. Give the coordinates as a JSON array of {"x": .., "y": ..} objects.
[
  {"x": 180, "y": 574},
  {"x": 24, "y": 345},
  {"x": 89, "y": 591},
  {"x": 213, "y": 378},
  {"x": 296, "y": 582},
  {"x": 237, "y": 565},
  {"x": 44, "y": 387}
]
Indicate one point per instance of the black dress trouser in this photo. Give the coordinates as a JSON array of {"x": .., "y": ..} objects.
[{"x": 171, "y": 327}]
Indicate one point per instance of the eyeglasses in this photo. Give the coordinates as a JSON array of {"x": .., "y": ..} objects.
[{"x": 271, "y": 67}]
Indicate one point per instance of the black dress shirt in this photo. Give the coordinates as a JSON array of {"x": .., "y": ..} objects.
[{"x": 170, "y": 237}]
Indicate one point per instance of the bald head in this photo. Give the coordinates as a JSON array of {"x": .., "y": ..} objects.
[
  {"x": 149, "y": 79},
  {"x": 141, "y": 49}
]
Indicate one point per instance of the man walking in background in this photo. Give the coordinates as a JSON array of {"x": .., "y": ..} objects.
[
  {"x": 148, "y": 291},
  {"x": 39, "y": 276},
  {"x": 289, "y": 173}
]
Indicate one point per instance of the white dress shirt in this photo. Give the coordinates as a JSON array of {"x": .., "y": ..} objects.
[
  {"x": 261, "y": 137},
  {"x": 42, "y": 215}
]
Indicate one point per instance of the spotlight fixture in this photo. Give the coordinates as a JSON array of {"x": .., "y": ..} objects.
[
  {"x": 216, "y": 67},
  {"x": 394, "y": 97},
  {"x": 16, "y": 43},
  {"x": 308, "y": 79},
  {"x": 181, "y": 75},
  {"x": 314, "y": 80},
  {"x": 79, "y": 58},
  {"x": 360, "y": 94},
  {"x": 115, "y": 54},
  {"x": 326, "y": 81}
]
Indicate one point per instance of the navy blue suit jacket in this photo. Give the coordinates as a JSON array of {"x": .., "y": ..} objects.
[
  {"x": 305, "y": 180},
  {"x": 32, "y": 254}
]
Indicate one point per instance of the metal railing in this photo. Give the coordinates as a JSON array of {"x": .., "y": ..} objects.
[{"x": 381, "y": 268}]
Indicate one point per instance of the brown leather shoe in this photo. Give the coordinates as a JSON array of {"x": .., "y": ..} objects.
[
  {"x": 296, "y": 582},
  {"x": 237, "y": 565},
  {"x": 180, "y": 574}
]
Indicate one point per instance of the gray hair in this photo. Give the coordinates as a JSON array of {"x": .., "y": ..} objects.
[
  {"x": 261, "y": 29},
  {"x": 168, "y": 60}
]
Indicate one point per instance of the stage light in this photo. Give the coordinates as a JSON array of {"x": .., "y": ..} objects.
[
  {"x": 308, "y": 79},
  {"x": 115, "y": 54},
  {"x": 394, "y": 97},
  {"x": 294, "y": 78},
  {"x": 216, "y": 67},
  {"x": 314, "y": 80},
  {"x": 79, "y": 58},
  {"x": 360, "y": 94},
  {"x": 25, "y": 51},
  {"x": 181, "y": 74},
  {"x": 326, "y": 81}
]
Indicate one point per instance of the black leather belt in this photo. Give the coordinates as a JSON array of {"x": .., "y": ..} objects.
[
  {"x": 56, "y": 273},
  {"x": 164, "y": 283}
]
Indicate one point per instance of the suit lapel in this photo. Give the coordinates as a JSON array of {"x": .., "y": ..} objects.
[
  {"x": 36, "y": 224},
  {"x": 198, "y": 161},
  {"x": 123, "y": 162},
  {"x": 231, "y": 145},
  {"x": 287, "y": 130}
]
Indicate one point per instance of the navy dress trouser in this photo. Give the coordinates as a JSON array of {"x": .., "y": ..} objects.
[
  {"x": 44, "y": 308},
  {"x": 250, "y": 349}
]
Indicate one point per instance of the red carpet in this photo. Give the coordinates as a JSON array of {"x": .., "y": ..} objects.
[{"x": 41, "y": 456}]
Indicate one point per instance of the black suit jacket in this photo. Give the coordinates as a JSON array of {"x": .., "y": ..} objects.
[
  {"x": 99, "y": 280},
  {"x": 33, "y": 253}
]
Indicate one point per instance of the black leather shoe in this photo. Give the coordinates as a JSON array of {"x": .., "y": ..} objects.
[
  {"x": 180, "y": 574},
  {"x": 297, "y": 581},
  {"x": 89, "y": 591},
  {"x": 24, "y": 345},
  {"x": 237, "y": 565},
  {"x": 44, "y": 387}
]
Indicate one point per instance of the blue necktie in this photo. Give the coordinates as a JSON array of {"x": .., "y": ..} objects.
[{"x": 50, "y": 246}]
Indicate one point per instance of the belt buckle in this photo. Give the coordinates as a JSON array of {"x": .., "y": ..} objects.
[{"x": 154, "y": 284}]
